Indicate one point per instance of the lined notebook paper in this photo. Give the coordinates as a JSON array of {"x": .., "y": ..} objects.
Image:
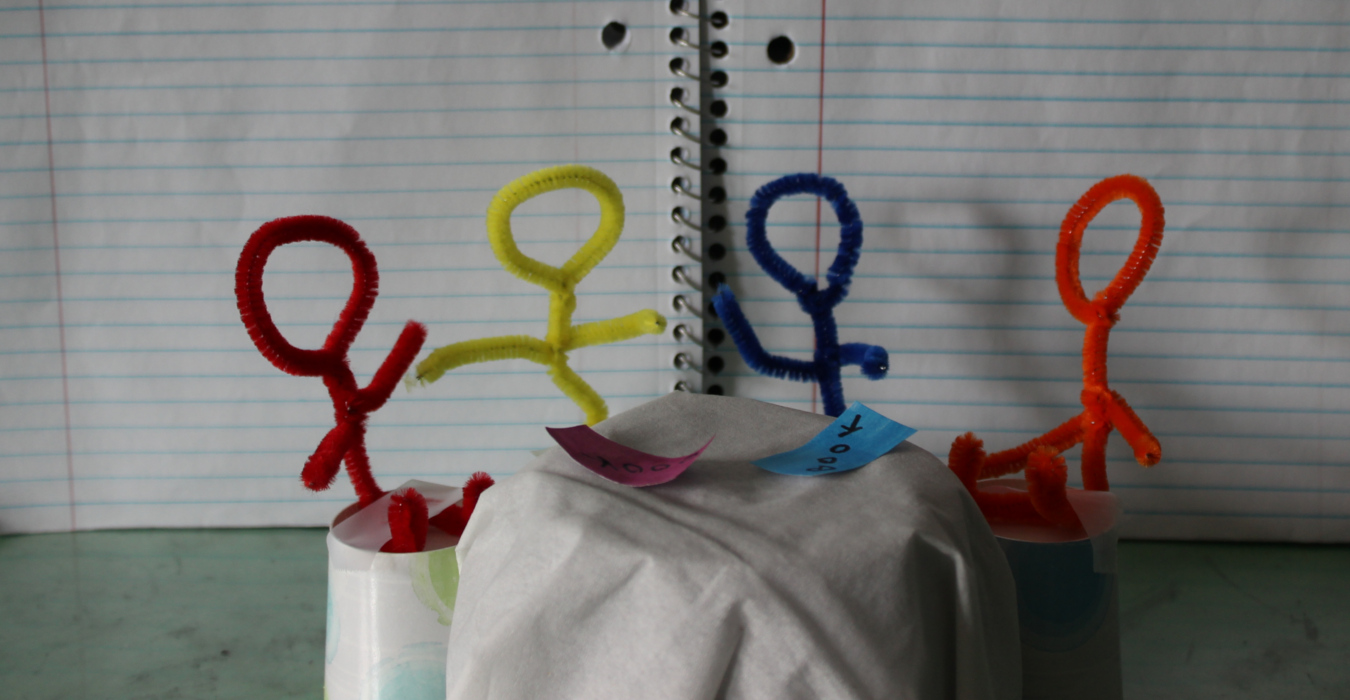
[
  {"x": 140, "y": 145},
  {"x": 965, "y": 132}
]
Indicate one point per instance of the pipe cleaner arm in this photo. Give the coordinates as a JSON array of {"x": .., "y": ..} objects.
[
  {"x": 873, "y": 359},
  {"x": 503, "y": 347},
  {"x": 644, "y": 322},
  {"x": 748, "y": 344},
  {"x": 395, "y": 365},
  {"x": 1147, "y": 449}
]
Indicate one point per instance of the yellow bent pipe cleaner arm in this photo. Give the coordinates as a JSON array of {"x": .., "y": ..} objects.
[{"x": 561, "y": 283}]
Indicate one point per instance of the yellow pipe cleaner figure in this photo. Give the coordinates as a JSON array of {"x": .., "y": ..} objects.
[{"x": 562, "y": 336}]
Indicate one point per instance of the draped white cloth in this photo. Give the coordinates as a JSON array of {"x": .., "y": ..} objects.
[{"x": 732, "y": 582}]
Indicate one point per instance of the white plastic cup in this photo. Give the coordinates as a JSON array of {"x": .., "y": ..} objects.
[
  {"x": 1067, "y": 600},
  {"x": 388, "y": 614}
]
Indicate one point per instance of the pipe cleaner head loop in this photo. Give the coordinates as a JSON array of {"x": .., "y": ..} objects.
[
  {"x": 850, "y": 239},
  {"x": 248, "y": 290},
  {"x": 1104, "y": 305},
  {"x": 346, "y": 441},
  {"x": 517, "y": 192}
]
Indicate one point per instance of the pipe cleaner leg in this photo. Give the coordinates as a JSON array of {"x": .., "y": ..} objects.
[
  {"x": 1094, "y": 456},
  {"x": 358, "y": 469},
  {"x": 729, "y": 311},
  {"x": 965, "y": 458},
  {"x": 578, "y": 390},
  {"x": 831, "y": 388},
  {"x": 1009, "y": 461},
  {"x": 1047, "y": 479}
]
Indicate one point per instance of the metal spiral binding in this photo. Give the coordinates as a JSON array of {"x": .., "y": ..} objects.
[
  {"x": 717, "y": 234},
  {"x": 684, "y": 125}
]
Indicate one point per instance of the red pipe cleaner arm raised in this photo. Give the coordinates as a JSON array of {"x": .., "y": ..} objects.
[{"x": 351, "y": 404}]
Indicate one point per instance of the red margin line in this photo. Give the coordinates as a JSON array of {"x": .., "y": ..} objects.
[
  {"x": 820, "y": 158},
  {"x": 56, "y": 254}
]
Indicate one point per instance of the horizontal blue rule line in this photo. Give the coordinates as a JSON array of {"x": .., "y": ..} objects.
[
  {"x": 1072, "y": 176},
  {"x": 1018, "y": 151},
  {"x": 304, "y": 166},
  {"x": 260, "y": 59},
  {"x": 89, "y": 504},
  {"x": 301, "y": 452},
  {"x": 1134, "y": 304},
  {"x": 1153, "y": 279},
  {"x": 334, "y": 112},
  {"x": 205, "y": 402},
  {"x": 375, "y": 243},
  {"x": 581, "y": 294},
  {"x": 1116, "y": 355},
  {"x": 1045, "y": 20},
  {"x": 858, "y": 70},
  {"x": 341, "y": 86},
  {"x": 1195, "y": 48},
  {"x": 285, "y": 426},
  {"x": 354, "y": 350},
  {"x": 298, "y": 193},
  {"x": 334, "y": 139},
  {"x": 1042, "y": 125},
  {"x": 1048, "y": 253},
  {"x": 278, "y": 3},
  {"x": 428, "y": 217},
  {"x": 1053, "y": 228},
  {"x": 1028, "y": 98},
  {"x": 317, "y": 30},
  {"x": 1138, "y": 407},
  {"x": 1063, "y": 204},
  {"x": 315, "y": 3},
  {"x": 345, "y": 273},
  {"x": 1028, "y": 329},
  {"x": 1075, "y": 379}
]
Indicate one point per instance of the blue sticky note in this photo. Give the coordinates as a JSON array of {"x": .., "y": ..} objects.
[{"x": 858, "y": 436}]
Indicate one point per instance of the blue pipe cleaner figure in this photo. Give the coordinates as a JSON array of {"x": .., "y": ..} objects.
[{"x": 817, "y": 303}]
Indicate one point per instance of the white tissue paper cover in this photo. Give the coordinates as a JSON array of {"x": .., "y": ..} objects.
[
  {"x": 389, "y": 614},
  {"x": 732, "y": 582},
  {"x": 1067, "y": 599}
]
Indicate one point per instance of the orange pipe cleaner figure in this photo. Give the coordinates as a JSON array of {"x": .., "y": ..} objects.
[{"x": 1046, "y": 500}]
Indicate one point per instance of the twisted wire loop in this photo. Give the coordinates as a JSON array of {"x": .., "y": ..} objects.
[
  {"x": 560, "y": 282},
  {"x": 830, "y": 355},
  {"x": 1104, "y": 410},
  {"x": 351, "y": 403}
]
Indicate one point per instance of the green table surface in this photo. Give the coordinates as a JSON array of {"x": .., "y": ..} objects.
[{"x": 240, "y": 613}]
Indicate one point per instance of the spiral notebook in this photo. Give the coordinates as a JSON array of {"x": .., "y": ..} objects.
[
  {"x": 141, "y": 144},
  {"x": 964, "y": 133}
]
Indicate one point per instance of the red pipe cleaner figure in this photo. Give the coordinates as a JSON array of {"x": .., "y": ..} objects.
[
  {"x": 1046, "y": 501},
  {"x": 351, "y": 404}
]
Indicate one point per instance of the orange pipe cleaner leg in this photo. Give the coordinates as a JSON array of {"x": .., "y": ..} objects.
[{"x": 1047, "y": 477}]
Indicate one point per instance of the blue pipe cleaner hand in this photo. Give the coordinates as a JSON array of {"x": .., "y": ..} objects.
[{"x": 817, "y": 303}]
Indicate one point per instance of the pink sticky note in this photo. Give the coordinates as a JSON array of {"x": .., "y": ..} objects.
[{"x": 616, "y": 462}]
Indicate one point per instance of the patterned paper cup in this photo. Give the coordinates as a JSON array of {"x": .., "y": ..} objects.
[{"x": 388, "y": 619}]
